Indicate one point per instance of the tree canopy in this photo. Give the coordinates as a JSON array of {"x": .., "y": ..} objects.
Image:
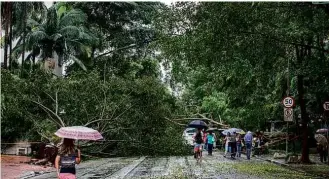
[{"x": 232, "y": 62}]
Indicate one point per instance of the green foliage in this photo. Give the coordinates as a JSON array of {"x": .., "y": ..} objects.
[
  {"x": 130, "y": 113},
  {"x": 241, "y": 50}
]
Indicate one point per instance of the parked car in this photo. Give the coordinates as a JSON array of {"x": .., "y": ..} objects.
[{"x": 188, "y": 135}]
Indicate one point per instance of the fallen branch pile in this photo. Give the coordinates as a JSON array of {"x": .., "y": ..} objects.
[
  {"x": 278, "y": 137},
  {"x": 183, "y": 121}
]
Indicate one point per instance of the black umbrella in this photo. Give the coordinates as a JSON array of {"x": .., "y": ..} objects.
[{"x": 198, "y": 124}]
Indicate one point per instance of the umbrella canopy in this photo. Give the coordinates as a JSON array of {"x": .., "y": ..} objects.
[
  {"x": 321, "y": 139},
  {"x": 79, "y": 133},
  {"x": 198, "y": 124},
  {"x": 324, "y": 130},
  {"x": 232, "y": 130}
]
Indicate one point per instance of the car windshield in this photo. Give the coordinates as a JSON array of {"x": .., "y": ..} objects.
[{"x": 192, "y": 130}]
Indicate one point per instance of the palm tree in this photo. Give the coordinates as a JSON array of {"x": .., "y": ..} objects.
[
  {"x": 14, "y": 16},
  {"x": 62, "y": 32},
  {"x": 6, "y": 14}
]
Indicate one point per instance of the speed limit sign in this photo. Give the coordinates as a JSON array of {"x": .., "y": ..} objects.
[{"x": 288, "y": 102}]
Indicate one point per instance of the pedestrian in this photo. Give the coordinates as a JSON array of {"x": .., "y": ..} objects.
[
  {"x": 205, "y": 147},
  {"x": 227, "y": 141},
  {"x": 215, "y": 141},
  {"x": 233, "y": 145},
  {"x": 322, "y": 150},
  {"x": 66, "y": 159},
  {"x": 248, "y": 142},
  {"x": 211, "y": 140},
  {"x": 198, "y": 140},
  {"x": 238, "y": 145}
]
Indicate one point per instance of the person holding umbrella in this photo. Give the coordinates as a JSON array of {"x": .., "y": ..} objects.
[
  {"x": 68, "y": 155},
  {"x": 322, "y": 146},
  {"x": 238, "y": 145},
  {"x": 198, "y": 138},
  {"x": 66, "y": 159}
]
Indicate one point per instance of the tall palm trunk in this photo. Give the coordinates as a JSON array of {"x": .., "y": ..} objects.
[
  {"x": 10, "y": 34},
  {"x": 24, "y": 34},
  {"x": 5, "y": 60}
]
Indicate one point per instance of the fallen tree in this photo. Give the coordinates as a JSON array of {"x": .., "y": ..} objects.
[{"x": 197, "y": 116}]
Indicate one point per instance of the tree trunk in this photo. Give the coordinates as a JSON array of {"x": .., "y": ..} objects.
[
  {"x": 5, "y": 60},
  {"x": 301, "y": 54},
  {"x": 24, "y": 35},
  {"x": 305, "y": 148},
  {"x": 11, "y": 35}
]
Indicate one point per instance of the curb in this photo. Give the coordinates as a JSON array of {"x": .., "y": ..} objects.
[
  {"x": 276, "y": 162},
  {"x": 33, "y": 174},
  {"x": 291, "y": 168}
]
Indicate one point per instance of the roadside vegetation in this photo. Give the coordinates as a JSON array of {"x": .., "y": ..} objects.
[{"x": 138, "y": 71}]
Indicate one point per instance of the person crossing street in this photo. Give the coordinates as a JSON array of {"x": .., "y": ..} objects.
[{"x": 248, "y": 141}]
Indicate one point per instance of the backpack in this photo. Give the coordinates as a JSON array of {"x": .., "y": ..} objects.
[{"x": 198, "y": 138}]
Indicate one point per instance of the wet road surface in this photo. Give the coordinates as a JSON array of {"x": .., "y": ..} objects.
[{"x": 212, "y": 167}]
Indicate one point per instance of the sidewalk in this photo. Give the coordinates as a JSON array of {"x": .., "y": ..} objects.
[
  {"x": 13, "y": 166},
  {"x": 318, "y": 169}
]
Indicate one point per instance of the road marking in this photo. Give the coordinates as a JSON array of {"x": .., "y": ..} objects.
[{"x": 126, "y": 170}]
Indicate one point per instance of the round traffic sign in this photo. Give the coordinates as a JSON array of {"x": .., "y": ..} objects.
[
  {"x": 326, "y": 106},
  {"x": 288, "y": 102}
]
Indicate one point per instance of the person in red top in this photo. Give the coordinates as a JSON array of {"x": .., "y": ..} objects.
[{"x": 198, "y": 141}]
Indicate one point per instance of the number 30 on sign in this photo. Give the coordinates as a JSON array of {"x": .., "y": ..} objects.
[{"x": 288, "y": 102}]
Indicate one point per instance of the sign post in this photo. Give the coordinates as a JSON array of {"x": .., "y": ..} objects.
[
  {"x": 288, "y": 113},
  {"x": 288, "y": 103}
]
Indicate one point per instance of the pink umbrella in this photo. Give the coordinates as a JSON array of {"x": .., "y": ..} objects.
[{"x": 79, "y": 133}]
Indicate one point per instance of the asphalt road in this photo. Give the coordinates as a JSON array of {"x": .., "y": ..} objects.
[{"x": 212, "y": 167}]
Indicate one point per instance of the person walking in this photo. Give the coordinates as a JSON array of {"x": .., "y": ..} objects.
[
  {"x": 198, "y": 141},
  {"x": 233, "y": 145},
  {"x": 322, "y": 152},
  {"x": 238, "y": 145},
  {"x": 227, "y": 141},
  {"x": 66, "y": 159},
  {"x": 205, "y": 147},
  {"x": 248, "y": 142},
  {"x": 215, "y": 140},
  {"x": 211, "y": 140}
]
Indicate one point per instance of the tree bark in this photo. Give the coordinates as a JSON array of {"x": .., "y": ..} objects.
[
  {"x": 301, "y": 54},
  {"x": 24, "y": 35},
  {"x": 5, "y": 60},
  {"x": 10, "y": 34},
  {"x": 305, "y": 148}
]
